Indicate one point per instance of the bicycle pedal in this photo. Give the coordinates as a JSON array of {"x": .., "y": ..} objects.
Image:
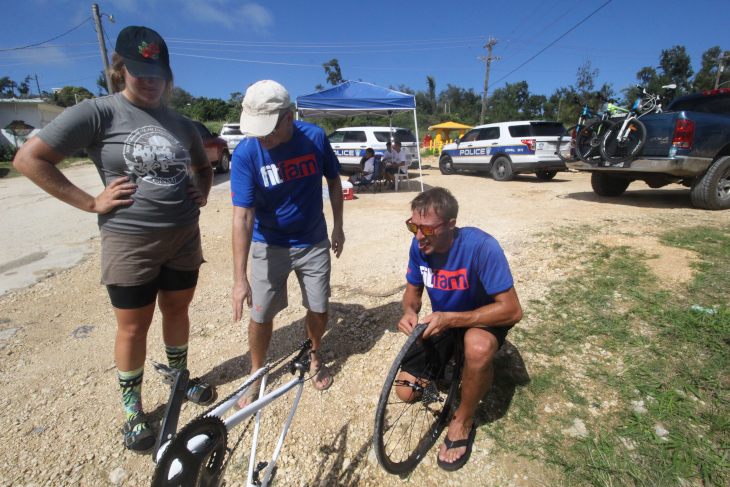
[{"x": 168, "y": 373}]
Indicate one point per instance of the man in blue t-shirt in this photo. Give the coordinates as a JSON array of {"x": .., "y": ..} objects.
[
  {"x": 470, "y": 286},
  {"x": 276, "y": 187}
]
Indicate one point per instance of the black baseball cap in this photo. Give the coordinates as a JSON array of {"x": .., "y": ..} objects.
[{"x": 144, "y": 52}]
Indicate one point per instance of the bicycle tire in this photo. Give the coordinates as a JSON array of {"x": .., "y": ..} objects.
[
  {"x": 427, "y": 420},
  {"x": 616, "y": 151},
  {"x": 570, "y": 157},
  {"x": 588, "y": 140}
]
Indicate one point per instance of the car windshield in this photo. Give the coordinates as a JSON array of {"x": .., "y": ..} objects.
[
  {"x": 230, "y": 131},
  {"x": 719, "y": 104},
  {"x": 402, "y": 135}
]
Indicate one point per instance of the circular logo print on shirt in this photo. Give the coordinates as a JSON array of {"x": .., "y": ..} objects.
[{"x": 155, "y": 155}]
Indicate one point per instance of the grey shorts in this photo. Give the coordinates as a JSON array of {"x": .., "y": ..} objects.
[
  {"x": 130, "y": 260},
  {"x": 270, "y": 269}
]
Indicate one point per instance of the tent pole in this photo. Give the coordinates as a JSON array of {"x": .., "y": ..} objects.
[{"x": 418, "y": 148}]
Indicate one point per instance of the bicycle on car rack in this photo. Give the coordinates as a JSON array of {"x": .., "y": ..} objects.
[
  {"x": 624, "y": 140},
  {"x": 197, "y": 455},
  {"x": 585, "y": 137},
  {"x": 412, "y": 413}
]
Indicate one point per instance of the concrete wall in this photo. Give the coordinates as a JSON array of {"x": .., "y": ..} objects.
[{"x": 36, "y": 114}]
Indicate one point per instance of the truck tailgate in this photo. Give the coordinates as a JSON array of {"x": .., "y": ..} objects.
[{"x": 659, "y": 133}]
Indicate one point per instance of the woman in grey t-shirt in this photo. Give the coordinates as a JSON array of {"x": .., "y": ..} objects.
[{"x": 156, "y": 176}]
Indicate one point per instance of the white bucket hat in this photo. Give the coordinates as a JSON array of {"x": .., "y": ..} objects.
[{"x": 261, "y": 107}]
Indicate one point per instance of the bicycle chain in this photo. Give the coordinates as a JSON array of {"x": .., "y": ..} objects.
[{"x": 269, "y": 368}]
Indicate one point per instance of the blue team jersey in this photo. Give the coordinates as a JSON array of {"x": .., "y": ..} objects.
[
  {"x": 284, "y": 185},
  {"x": 464, "y": 278}
]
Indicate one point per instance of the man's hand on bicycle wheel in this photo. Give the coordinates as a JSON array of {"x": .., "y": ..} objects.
[
  {"x": 437, "y": 324},
  {"x": 408, "y": 323}
]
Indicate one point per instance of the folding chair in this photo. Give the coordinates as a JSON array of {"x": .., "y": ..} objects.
[{"x": 372, "y": 184}]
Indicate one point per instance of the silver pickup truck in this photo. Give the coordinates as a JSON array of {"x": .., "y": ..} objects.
[{"x": 688, "y": 144}]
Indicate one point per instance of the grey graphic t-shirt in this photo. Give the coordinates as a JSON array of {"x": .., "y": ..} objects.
[{"x": 154, "y": 147}]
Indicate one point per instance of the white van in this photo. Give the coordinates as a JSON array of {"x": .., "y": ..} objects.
[
  {"x": 349, "y": 143},
  {"x": 506, "y": 149}
]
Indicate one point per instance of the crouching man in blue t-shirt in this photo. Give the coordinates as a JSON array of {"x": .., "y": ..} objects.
[
  {"x": 470, "y": 286},
  {"x": 276, "y": 186}
]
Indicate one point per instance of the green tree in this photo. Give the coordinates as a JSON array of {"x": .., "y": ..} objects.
[
  {"x": 707, "y": 75},
  {"x": 70, "y": 95},
  {"x": 677, "y": 66},
  {"x": 24, "y": 87},
  {"x": 333, "y": 72},
  {"x": 101, "y": 84}
]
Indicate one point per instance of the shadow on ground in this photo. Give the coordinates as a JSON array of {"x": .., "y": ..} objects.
[{"x": 650, "y": 198}]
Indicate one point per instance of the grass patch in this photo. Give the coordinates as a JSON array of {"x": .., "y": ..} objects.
[
  {"x": 8, "y": 171},
  {"x": 645, "y": 371}
]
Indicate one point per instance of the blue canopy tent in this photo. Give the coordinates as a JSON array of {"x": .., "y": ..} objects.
[{"x": 358, "y": 99}]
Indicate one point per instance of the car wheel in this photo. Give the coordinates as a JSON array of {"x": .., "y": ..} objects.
[
  {"x": 545, "y": 175},
  {"x": 711, "y": 191},
  {"x": 502, "y": 169},
  {"x": 446, "y": 165},
  {"x": 224, "y": 164},
  {"x": 606, "y": 185}
]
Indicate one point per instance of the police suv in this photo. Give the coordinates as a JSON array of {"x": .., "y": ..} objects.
[
  {"x": 349, "y": 143},
  {"x": 506, "y": 149}
]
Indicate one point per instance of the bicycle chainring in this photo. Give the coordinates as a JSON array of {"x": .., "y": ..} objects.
[{"x": 180, "y": 467}]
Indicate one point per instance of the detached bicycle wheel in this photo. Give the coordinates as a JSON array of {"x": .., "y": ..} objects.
[
  {"x": 588, "y": 139},
  {"x": 416, "y": 400},
  {"x": 566, "y": 145},
  {"x": 619, "y": 145}
]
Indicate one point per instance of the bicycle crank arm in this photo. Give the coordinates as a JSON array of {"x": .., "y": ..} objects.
[{"x": 172, "y": 412}]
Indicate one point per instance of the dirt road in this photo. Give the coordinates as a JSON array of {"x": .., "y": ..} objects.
[{"x": 58, "y": 386}]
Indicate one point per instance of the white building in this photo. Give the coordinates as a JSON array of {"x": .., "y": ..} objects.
[{"x": 33, "y": 112}]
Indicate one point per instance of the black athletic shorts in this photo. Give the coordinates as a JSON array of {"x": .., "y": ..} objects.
[
  {"x": 141, "y": 295},
  {"x": 428, "y": 359}
]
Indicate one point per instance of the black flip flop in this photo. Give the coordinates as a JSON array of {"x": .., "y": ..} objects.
[{"x": 450, "y": 445}]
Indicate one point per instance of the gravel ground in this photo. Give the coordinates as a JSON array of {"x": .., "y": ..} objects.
[{"x": 58, "y": 385}]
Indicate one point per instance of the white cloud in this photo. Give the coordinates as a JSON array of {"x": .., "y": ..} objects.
[
  {"x": 206, "y": 12},
  {"x": 257, "y": 17}
]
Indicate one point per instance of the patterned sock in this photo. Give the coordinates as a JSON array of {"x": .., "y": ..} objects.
[
  {"x": 177, "y": 357},
  {"x": 131, "y": 385}
]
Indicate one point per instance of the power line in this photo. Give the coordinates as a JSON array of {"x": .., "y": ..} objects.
[
  {"x": 48, "y": 61},
  {"x": 556, "y": 40},
  {"x": 303, "y": 45},
  {"x": 360, "y": 51},
  {"x": 49, "y": 40},
  {"x": 68, "y": 81},
  {"x": 56, "y": 45}
]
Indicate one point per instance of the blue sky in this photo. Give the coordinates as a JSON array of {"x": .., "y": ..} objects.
[{"x": 222, "y": 46}]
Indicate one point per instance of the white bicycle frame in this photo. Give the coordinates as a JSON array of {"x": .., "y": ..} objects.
[{"x": 195, "y": 444}]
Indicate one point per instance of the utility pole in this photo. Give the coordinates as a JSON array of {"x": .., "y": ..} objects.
[
  {"x": 36, "y": 83},
  {"x": 102, "y": 46},
  {"x": 720, "y": 68},
  {"x": 488, "y": 59}
]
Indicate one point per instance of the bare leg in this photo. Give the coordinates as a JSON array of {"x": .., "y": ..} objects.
[
  {"x": 130, "y": 345},
  {"x": 479, "y": 349},
  {"x": 174, "y": 306},
  {"x": 316, "y": 323},
  {"x": 259, "y": 336}
]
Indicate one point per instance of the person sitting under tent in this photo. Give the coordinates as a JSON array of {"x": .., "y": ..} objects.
[{"x": 368, "y": 168}]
